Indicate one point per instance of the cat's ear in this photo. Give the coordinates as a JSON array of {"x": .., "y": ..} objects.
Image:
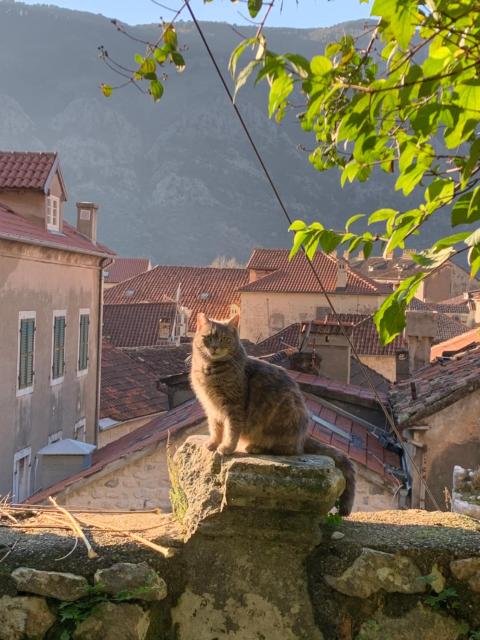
[
  {"x": 202, "y": 320},
  {"x": 234, "y": 322}
]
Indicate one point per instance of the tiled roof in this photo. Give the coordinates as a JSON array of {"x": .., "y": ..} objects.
[
  {"x": 320, "y": 386},
  {"x": 14, "y": 226},
  {"x": 296, "y": 276},
  {"x": 25, "y": 170},
  {"x": 456, "y": 344},
  {"x": 206, "y": 289},
  {"x": 360, "y": 444},
  {"x": 447, "y": 327},
  {"x": 357, "y": 377},
  {"x": 184, "y": 416},
  {"x": 128, "y": 388},
  {"x": 136, "y": 325},
  {"x": 458, "y": 305},
  {"x": 364, "y": 335},
  {"x": 164, "y": 361},
  {"x": 125, "y": 268},
  {"x": 435, "y": 387},
  {"x": 365, "y": 449}
]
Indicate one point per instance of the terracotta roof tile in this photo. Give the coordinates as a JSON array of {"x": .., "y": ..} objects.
[
  {"x": 458, "y": 305},
  {"x": 14, "y": 226},
  {"x": 296, "y": 276},
  {"x": 456, "y": 344},
  {"x": 124, "y": 268},
  {"x": 436, "y": 386},
  {"x": 128, "y": 388},
  {"x": 136, "y": 325},
  {"x": 208, "y": 289},
  {"x": 25, "y": 170},
  {"x": 164, "y": 361}
]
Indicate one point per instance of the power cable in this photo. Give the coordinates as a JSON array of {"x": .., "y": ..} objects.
[{"x": 366, "y": 375}]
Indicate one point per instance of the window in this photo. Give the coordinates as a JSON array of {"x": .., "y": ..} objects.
[
  {"x": 277, "y": 321},
  {"x": 21, "y": 475},
  {"x": 79, "y": 430},
  {"x": 55, "y": 437},
  {"x": 58, "y": 346},
  {"x": 26, "y": 352},
  {"x": 83, "y": 341},
  {"x": 53, "y": 213}
]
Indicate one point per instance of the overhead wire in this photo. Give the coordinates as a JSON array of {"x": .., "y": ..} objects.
[{"x": 323, "y": 290}]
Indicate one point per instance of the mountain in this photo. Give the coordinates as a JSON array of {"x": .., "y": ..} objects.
[{"x": 176, "y": 181}]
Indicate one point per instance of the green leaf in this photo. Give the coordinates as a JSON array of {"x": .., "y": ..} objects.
[
  {"x": 390, "y": 317},
  {"x": 449, "y": 241},
  {"x": 433, "y": 258},
  {"x": 297, "y": 225},
  {"x": 254, "y": 6},
  {"x": 244, "y": 74},
  {"x": 467, "y": 208},
  {"x": 156, "y": 89},
  {"x": 281, "y": 88},
  {"x": 106, "y": 90},
  {"x": 236, "y": 54},
  {"x": 382, "y": 214},
  {"x": 300, "y": 236},
  {"x": 353, "y": 219},
  {"x": 441, "y": 191},
  {"x": 147, "y": 66},
  {"x": 320, "y": 65},
  {"x": 170, "y": 36},
  {"x": 474, "y": 260},
  {"x": 178, "y": 61},
  {"x": 329, "y": 240},
  {"x": 161, "y": 54}
]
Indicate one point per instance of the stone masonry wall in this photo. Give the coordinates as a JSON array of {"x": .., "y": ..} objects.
[{"x": 255, "y": 558}]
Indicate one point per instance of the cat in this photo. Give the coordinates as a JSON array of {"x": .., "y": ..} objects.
[{"x": 253, "y": 402}]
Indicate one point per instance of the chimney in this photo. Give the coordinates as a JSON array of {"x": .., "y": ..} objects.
[
  {"x": 402, "y": 367},
  {"x": 420, "y": 332},
  {"x": 342, "y": 272},
  {"x": 328, "y": 350},
  {"x": 87, "y": 220}
]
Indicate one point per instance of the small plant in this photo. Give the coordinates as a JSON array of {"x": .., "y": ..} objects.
[
  {"x": 332, "y": 519},
  {"x": 177, "y": 495},
  {"x": 448, "y": 600},
  {"x": 71, "y": 614},
  {"x": 474, "y": 635}
]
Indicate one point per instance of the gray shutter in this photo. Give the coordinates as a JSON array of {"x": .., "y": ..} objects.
[
  {"x": 83, "y": 344},
  {"x": 27, "y": 345}
]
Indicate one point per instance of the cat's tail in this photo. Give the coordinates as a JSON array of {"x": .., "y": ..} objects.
[{"x": 345, "y": 465}]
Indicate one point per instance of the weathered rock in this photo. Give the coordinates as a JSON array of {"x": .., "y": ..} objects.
[
  {"x": 110, "y": 621},
  {"x": 337, "y": 535},
  {"x": 251, "y": 521},
  {"x": 24, "y": 617},
  {"x": 269, "y": 484},
  {"x": 62, "y": 586},
  {"x": 375, "y": 570},
  {"x": 139, "y": 580},
  {"x": 467, "y": 569},
  {"x": 420, "y": 622},
  {"x": 437, "y": 579}
]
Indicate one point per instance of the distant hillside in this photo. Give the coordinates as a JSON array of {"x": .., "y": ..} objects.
[{"x": 175, "y": 181}]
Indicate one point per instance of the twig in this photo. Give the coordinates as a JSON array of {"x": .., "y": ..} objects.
[
  {"x": 5, "y": 513},
  {"x": 167, "y": 552},
  {"x": 76, "y": 528},
  {"x": 5, "y": 556},
  {"x": 72, "y": 550}
]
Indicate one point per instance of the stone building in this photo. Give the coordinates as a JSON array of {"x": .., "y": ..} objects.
[
  {"x": 281, "y": 292},
  {"x": 437, "y": 411},
  {"x": 51, "y": 276},
  {"x": 449, "y": 281},
  {"x": 124, "y": 269}
]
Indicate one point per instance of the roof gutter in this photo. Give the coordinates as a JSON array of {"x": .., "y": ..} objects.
[
  {"x": 52, "y": 245},
  {"x": 103, "y": 263}
]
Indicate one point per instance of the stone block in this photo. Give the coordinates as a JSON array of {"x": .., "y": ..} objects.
[
  {"x": 420, "y": 622},
  {"x": 110, "y": 621},
  {"x": 139, "y": 580},
  {"x": 51, "y": 584},
  {"x": 24, "y": 617},
  {"x": 467, "y": 569},
  {"x": 374, "y": 570}
]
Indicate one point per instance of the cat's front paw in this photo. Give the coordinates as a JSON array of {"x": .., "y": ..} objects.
[
  {"x": 211, "y": 445},
  {"x": 225, "y": 450}
]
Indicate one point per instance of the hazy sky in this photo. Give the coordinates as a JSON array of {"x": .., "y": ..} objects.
[{"x": 307, "y": 13}]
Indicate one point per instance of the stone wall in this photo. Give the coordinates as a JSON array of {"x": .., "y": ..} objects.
[
  {"x": 255, "y": 558},
  {"x": 466, "y": 491}
]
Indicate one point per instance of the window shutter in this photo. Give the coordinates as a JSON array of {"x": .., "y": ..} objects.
[
  {"x": 27, "y": 344},
  {"x": 83, "y": 343},
  {"x": 58, "y": 364}
]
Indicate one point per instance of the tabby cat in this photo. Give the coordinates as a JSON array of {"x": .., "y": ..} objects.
[{"x": 253, "y": 403}]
